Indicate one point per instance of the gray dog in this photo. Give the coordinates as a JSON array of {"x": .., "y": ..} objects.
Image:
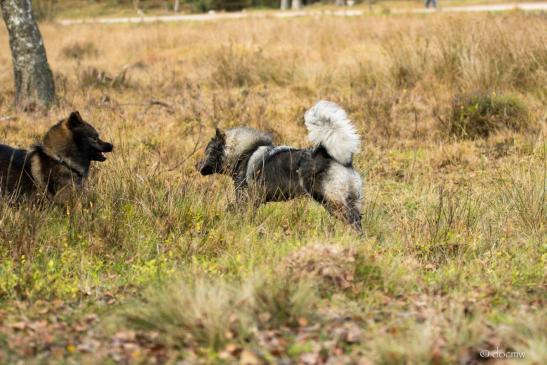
[{"x": 263, "y": 172}]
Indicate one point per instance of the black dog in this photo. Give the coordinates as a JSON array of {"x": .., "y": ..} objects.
[{"x": 61, "y": 161}]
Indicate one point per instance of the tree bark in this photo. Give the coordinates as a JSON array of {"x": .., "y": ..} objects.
[
  {"x": 296, "y": 4},
  {"x": 284, "y": 4},
  {"x": 34, "y": 86}
]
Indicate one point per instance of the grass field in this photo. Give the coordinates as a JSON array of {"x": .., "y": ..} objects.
[{"x": 153, "y": 264}]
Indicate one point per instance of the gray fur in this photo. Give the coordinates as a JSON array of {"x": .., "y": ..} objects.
[{"x": 263, "y": 172}]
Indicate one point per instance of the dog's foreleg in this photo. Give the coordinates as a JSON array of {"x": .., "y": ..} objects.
[
  {"x": 256, "y": 196},
  {"x": 241, "y": 197},
  {"x": 246, "y": 199}
]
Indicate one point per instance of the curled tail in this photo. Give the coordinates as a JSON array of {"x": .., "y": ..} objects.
[{"x": 329, "y": 126}]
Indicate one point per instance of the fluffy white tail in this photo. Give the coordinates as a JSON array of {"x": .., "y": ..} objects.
[{"x": 329, "y": 126}]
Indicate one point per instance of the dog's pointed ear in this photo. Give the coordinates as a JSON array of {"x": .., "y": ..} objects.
[
  {"x": 74, "y": 120},
  {"x": 220, "y": 134}
]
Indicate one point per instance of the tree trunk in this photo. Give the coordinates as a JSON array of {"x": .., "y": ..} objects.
[
  {"x": 176, "y": 7},
  {"x": 340, "y": 2},
  {"x": 284, "y": 4},
  {"x": 34, "y": 85},
  {"x": 296, "y": 4}
]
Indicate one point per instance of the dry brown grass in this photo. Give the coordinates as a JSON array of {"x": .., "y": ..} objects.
[{"x": 454, "y": 254}]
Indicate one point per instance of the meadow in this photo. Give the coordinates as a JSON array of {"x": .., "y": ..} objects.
[{"x": 153, "y": 264}]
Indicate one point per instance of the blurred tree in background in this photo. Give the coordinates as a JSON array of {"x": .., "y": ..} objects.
[{"x": 34, "y": 85}]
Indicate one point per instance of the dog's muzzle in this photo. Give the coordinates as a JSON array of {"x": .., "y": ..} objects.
[
  {"x": 104, "y": 147},
  {"x": 205, "y": 169}
]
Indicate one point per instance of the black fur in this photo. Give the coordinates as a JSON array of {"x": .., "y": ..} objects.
[
  {"x": 86, "y": 146},
  {"x": 27, "y": 171},
  {"x": 15, "y": 172},
  {"x": 278, "y": 176},
  {"x": 214, "y": 155}
]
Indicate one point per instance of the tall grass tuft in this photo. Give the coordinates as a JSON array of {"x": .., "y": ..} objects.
[
  {"x": 80, "y": 50},
  {"x": 235, "y": 66},
  {"x": 524, "y": 193},
  {"x": 213, "y": 312}
]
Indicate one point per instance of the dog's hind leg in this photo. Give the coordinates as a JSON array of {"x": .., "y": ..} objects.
[
  {"x": 344, "y": 208},
  {"x": 352, "y": 216},
  {"x": 352, "y": 213}
]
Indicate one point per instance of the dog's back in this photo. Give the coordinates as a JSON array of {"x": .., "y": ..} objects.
[{"x": 15, "y": 175}]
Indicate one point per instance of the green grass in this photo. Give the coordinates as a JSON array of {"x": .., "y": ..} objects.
[{"x": 470, "y": 258}]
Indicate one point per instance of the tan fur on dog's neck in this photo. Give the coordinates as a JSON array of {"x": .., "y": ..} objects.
[{"x": 57, "y": 142}]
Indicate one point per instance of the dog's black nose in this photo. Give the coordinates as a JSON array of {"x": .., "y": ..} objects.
[
  {"x": 107, "y": 147},
  {"x": 205, "y": 169}
]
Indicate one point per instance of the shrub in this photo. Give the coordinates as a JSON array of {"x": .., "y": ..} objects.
[
  {"x": 233, "y": 5},
  {"x": 407, "y": 57},
  {"x": 93, "y": 77},
  {"x": 242, "y": 67},
  {"x": 44, "y": 9},
  {"x": 79, "y": 51},
  {"x": 482, "y": 57},
  {"x": 202, "y": 6},
  {"x": 480, "y": 114}
]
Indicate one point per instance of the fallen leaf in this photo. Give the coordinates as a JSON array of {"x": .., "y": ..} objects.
[
  {"x": 233, "y": 349},
  {"x": 310, "y": 358},
  {"x": 248, "y": 358},
  {"x": 19, "y": 325}
]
